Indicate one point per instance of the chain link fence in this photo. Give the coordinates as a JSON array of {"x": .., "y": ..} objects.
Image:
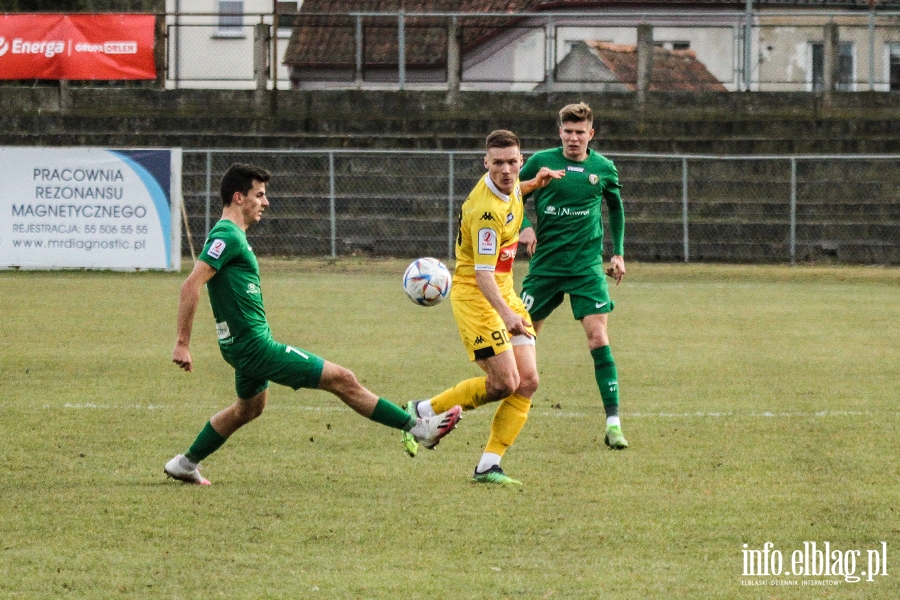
[{"x": 752, "y": 209}]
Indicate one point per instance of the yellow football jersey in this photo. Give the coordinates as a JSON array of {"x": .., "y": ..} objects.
[{"x": 488, "y": 234}]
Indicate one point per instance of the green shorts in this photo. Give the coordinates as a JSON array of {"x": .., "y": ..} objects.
[
  {"x": 260, "y": 362},
  {"x": 588, "y": 294}
]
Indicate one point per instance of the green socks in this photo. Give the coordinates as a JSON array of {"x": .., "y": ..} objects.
[
  {"x": 207, "y": 442},
  {"x": 388, "y": 413},
  {"x": 607, "y": 379}
]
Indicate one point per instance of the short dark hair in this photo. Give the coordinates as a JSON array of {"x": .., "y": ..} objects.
[
  {"x": 239, "y": 178},
  {"x": 501, "y": 138},
  {"x": 576, "y": 113}
]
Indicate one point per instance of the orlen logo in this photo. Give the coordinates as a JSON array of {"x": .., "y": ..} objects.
[
  {"x": 129, "y": 47},
  {"x": 4, "y": 46}
]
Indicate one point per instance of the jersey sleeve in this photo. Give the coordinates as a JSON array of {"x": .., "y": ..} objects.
[
  {"x": 219, "y": 249},
  {"x": 612, "y": 193},
  {"x": 529, "y": 170}
]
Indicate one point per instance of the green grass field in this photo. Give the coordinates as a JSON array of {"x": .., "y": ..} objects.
[{"x": 760, "y": 404}]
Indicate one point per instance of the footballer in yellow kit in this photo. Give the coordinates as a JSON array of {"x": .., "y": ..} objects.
[
  {"x": 487, "y": 241},
  {"x": 491, "y": 317}
]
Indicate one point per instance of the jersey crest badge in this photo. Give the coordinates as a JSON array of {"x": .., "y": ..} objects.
[
  {"x": 216, "y": 248},
  {"x": 593, "y": 179}
]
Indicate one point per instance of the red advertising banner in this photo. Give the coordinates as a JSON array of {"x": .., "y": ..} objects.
[{"x": 77, "y": 47}]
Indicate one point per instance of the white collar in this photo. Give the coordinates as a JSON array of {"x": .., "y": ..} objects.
[{"x": 493, "y": 187}]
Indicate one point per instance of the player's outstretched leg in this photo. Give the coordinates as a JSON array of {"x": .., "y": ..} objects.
[
  {"x": 429, "y": 431},
  {"x": 182, "y": 469}
]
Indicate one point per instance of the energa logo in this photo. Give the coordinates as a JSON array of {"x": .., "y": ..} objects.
[{"x": 4, "y": 46}]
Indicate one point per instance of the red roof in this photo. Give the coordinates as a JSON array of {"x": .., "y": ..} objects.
[{"x": 673, "y": 70}]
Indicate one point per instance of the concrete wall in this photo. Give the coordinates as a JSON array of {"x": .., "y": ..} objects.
[{"x": 722, "y": 123}]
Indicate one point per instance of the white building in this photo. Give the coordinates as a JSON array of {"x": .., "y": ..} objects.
[{"x": 210, "y": 43}]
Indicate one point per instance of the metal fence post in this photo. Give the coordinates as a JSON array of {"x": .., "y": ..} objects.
[
  {"x": 358, "y": 36},
  {"x": 793, "y": 226},
  {"x": 450, "y": 184},
  {"x": 872, "y": 48},
  {"x": 401, "y": 51},
  {"x": 261, "y": 57},
  {"x": 332, "y": 201},
  {"x": 453, "y": 60},
  {"x": 550, "y": 53},
  {"x": 206, "y": 213},
  {"x": 684, "y": 206},
  {"x": 748, "y": 46}
]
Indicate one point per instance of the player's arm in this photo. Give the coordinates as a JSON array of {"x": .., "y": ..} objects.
[
  {"x": 543, "y": 177},
  {"x": 515, "y": 324},
  {"x": 612, "y": 193},
  {"x": 527, "y": 237},
  {"x": 187, "y": 308}
]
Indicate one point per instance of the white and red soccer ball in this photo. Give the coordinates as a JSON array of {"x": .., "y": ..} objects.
[{"x": 427, "y": 281}]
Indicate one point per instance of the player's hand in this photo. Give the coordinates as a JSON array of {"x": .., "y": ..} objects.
[
  {"x": 181, "y": 356},
  {"x": 546, "y": 175},
  {"x": 528, "y": 240},
  {"x": 517, "y": 325},
  {"x": 616, "y": 268}
]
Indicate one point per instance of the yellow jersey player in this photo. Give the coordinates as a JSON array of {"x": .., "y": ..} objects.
[{"x": 492, "y": 320}]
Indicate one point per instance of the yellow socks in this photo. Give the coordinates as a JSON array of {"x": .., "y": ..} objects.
[
  {"x": 508, "y": 421},
  {"x": 469, "y": 394}
]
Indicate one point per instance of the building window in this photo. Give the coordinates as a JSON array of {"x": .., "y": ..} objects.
[
  {"x": 287, "y": 17},
  {"x": 894, "y": 62},
  {"x": 673, "y": 45},
  {"x": 845, "y": 75},
  {"x": 231, "y": 19}
]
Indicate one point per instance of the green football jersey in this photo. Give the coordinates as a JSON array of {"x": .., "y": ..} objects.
[
  {"x": 569, "y": 224},
  {"x": 234, "y": 291}
]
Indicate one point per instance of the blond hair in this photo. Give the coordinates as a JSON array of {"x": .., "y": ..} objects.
[{"x": 576, "y": 113}]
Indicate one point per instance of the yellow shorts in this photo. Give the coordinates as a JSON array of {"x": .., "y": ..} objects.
[{"x": 482, "y": 330}]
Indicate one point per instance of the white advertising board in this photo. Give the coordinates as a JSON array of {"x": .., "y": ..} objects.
[{"x": 90, "y": 208}]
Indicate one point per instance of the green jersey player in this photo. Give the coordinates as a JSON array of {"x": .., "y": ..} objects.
[
  {"x": 566, "y": 245},
  {"x": 228, "y": 268}
]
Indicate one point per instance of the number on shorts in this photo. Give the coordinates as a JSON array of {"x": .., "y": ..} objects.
[
  {"x": 528, "y": 300},
  {"x": 500, "y": 337}
]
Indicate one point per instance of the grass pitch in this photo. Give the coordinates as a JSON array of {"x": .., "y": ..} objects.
[{"x": 760, "y": 404}]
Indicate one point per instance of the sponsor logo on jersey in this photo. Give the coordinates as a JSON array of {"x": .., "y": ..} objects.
[
  {"x": 566, "y": 212},
  {"x": 486, "y": 217},
  {"x": 252, "y": 289},
  {"x": 594, "y": 179},
  {"x": 506, "y": 259},
  {"x": 575, "y": 169},
  {"x": 510, "y": 217},
  {"x": 487, "y": 241},
  {"x": 216, "y": 248}
]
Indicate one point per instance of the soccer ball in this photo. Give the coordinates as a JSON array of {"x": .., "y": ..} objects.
[{"x": 426, "y": 281}]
